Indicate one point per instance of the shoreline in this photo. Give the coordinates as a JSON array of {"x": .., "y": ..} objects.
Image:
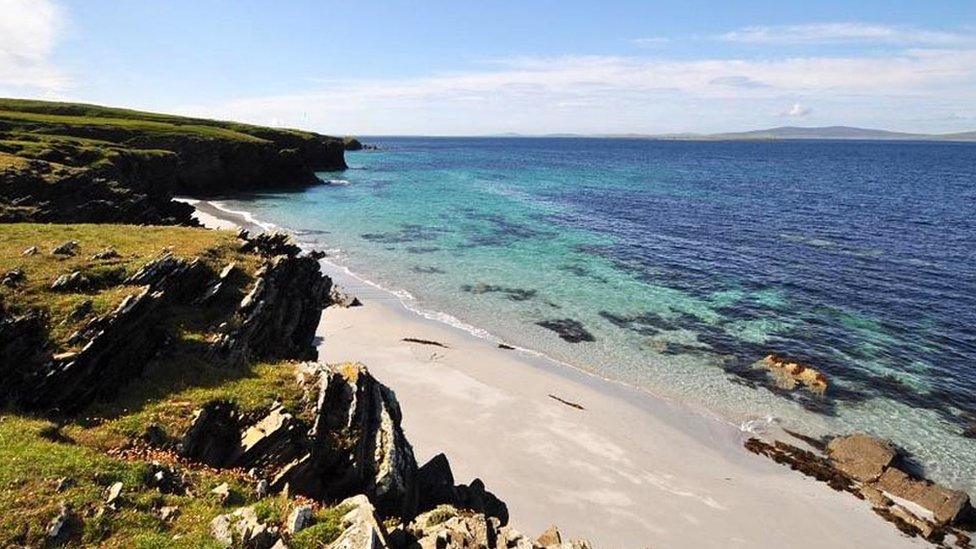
[{"x": 616, "y": 471}]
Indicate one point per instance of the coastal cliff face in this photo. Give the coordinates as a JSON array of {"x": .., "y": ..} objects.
[{"x": 62, "y": 162}]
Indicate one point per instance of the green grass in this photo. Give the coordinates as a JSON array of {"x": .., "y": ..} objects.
[
  {"x": 21, "y": 111},
  {"x": 136, "y": 245}
]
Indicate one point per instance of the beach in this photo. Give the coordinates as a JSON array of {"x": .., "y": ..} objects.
[{"x": 605, "y": 461}]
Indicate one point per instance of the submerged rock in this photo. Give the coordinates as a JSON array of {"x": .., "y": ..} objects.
[
  {"x": 790, "y": 375},
  {"x": 568, "y": 329}
]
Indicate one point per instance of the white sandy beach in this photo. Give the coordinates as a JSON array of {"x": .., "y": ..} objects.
[{"x": 629, "y": 470}]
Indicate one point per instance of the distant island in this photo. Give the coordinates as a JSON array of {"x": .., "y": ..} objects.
[{"x": 778, "y": 133}]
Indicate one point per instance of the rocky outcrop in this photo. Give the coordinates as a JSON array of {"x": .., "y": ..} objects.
[
  {"x": 872, "y": 470},
  {"x": 242, "y": 528},
  {"x": 122, "y": 344},
  {"x": 278, "y": 317},
  {"x": 356, "y": 444}
]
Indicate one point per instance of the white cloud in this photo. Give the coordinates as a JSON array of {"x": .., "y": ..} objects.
[
  {"x": 798, "y": 111},
  {"x": 620, "y": 94},
  {"x": 839, "y": 33},
  {"x": 29, "y": 30}
]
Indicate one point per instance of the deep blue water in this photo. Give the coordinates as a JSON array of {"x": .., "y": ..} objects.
[{"x": 690, "y": 261}]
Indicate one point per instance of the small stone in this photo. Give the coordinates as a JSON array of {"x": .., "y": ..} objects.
[
  {"x": 71, "y": 281},
  {"x": 107, "y": 253},
  {"x": 30, "y": 251},
  {"x": 112, "y": 494},
  {"x": 261, "y": 490},
  {"x": 69, "y": 248},
  {"x": 13, "y": 278},
  {"x": 299, "y": 519},
  {"x": 64, "y": 483},
  {"x": 222, "y": 492},
  {"x": 168, "y": 512},
  {"x": 58, "y": 529}
]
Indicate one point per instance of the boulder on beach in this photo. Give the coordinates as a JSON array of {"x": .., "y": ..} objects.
[{"x": 861, "y": 457}]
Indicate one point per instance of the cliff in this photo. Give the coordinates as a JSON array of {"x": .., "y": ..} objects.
[{"x": 66, "y": 162}]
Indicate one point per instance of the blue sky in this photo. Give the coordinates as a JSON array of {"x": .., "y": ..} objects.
[{"x": 432, "y": 67}]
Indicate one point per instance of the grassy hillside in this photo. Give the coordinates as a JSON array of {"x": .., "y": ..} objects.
[{"x": 71, "y": 162}]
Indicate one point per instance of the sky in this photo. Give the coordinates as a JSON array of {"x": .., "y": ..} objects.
[{"x": 475, "y": 68}]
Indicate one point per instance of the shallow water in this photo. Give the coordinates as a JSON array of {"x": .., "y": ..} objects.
[{"x": 688, "y": 262}]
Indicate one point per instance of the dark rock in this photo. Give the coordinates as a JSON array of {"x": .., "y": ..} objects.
[
  {"x": 568, "y": 329},
  {"x": 435, "y": 483},
  {"x": 181, "y": 280},
  {"x": 215, "y": 286},
  {"x": 80, "y": 311},
  {"x": 269, "y": 244},
  {"x": 214, "y": 436},
  {"x": 23, "y": 346},
  {"x": 278, "y": 317},
  {"x": 273, "y": 440},
  {"x": 515, "y": 294},
  {"x": 13, "y": 277},
  {"x": 342, "y": 299},
  {"x": 357, "y": 444},
  {"x": 475, "y": 498},
  {"x": 69, "y": 248},
  {"x": 122, "y": 344},
  {"x": 71, "y": 282},
  {"x": 352, "y": 144}
]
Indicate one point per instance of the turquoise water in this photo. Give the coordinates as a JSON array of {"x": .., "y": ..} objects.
[{"x": 687, "y": 263}]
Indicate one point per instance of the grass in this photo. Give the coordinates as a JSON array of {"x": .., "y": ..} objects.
[
  {"x": 136, "y": 246},
  {"x": 21, "y": 112}
]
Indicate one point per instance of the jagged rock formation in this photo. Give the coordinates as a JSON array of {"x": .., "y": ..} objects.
[
  {"x": 276, "y": 320},
  {"x": 872, "y": 469},
  {"x": 279, "y": 315}
]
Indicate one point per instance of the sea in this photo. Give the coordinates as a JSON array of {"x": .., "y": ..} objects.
[{"x": 685, "y": 263}]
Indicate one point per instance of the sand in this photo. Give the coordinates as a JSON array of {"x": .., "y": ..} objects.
[{"x": 629, "y": 469}]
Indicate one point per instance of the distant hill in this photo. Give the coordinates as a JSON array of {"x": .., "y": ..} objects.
[
  {"x": 782, "y": 132},
  {"x": 830, "y": 132}
]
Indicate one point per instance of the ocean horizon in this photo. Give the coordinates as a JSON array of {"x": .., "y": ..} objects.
[{"x": 686, "y": 263}]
